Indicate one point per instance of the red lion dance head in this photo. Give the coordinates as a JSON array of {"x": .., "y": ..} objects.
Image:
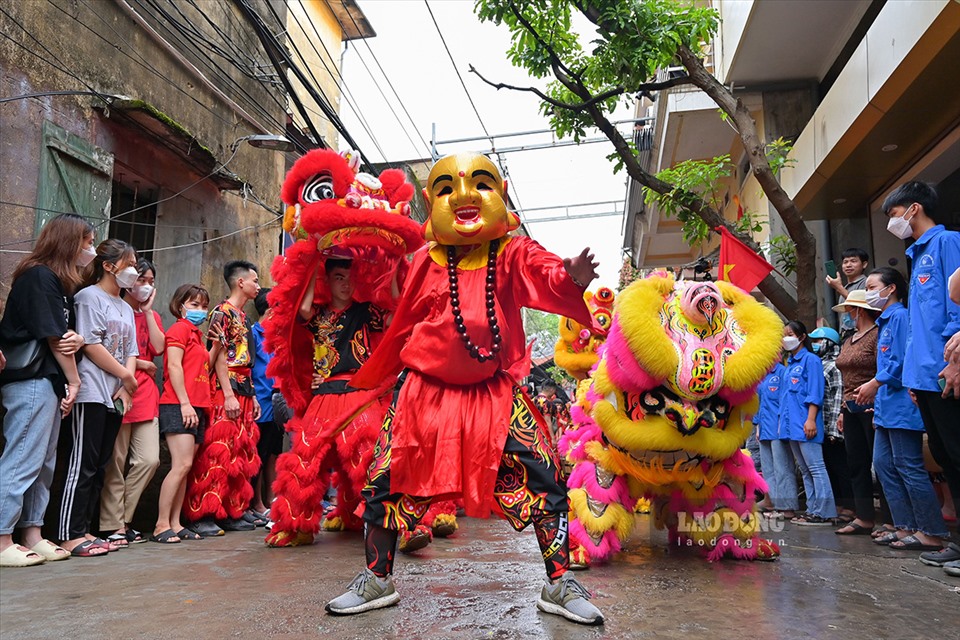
[{"x": 334, "y": 211}]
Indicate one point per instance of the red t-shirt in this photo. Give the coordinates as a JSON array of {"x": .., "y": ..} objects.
[
  {"x": 196, "y": 365},
  {"x": 146, "y": 400}
]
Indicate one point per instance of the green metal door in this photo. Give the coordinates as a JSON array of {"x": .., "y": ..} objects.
[{"x": 75, "y": 177}]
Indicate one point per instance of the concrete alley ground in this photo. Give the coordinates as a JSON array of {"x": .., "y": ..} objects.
[{"x": 482, "y": 583}]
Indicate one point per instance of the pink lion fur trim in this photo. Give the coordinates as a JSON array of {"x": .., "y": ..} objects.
[
  {"x": 573, "y": 441},
  {"x": 622, "y": 367},
  {"x": 585, "y": 476},
  {"x": 597, "y": 553}
]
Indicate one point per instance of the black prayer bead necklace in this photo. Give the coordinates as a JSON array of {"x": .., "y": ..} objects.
[{"x": 477, "y": 353}]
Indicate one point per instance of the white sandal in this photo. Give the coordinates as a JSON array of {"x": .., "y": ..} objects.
[
  {"x": 17, "y": 556},
  {"x": 50, "y": 551}
]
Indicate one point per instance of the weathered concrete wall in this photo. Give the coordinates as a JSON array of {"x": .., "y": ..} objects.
[{"x": 101, "y": 45}]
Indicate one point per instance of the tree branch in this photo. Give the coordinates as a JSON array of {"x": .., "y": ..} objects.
[
  {"x": 772, "y": 289},
  {"x": 553, "y": 54},
  {"x": 666, "y": 84},
  {"x": 616, "y": 91}
]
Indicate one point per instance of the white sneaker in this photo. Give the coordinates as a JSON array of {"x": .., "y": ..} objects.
[
  {"x": 366, "y": 592},
  {"x": 568, "y": 598}
]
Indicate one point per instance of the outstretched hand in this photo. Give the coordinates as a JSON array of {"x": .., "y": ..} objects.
[{"x": 583, "y": 268}]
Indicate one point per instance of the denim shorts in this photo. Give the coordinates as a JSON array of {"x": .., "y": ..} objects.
[{"x": 171, "y": 421}]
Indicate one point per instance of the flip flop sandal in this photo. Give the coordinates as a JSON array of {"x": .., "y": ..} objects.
[
  {"x": 856, "y": 530},
  {"x": 165, "y": 537},
  {"x": 886, "y": 539},
  {"x": 882, "y": 531},
  {"x": 107, "y": 544},
  {"x": 50, "y": 551},
  {"x": 118, "y": 539},
  {"x": 186, "y": 534},
  {"x": 913, "y": 543},
  {"x": 86, "y": 549},
  {"x": 19, "y": 556},
  {"x": 134, "y": 537}
]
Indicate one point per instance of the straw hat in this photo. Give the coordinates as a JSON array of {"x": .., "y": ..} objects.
[{"x": 857, "y": 298}]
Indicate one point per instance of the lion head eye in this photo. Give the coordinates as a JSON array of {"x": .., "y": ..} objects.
[
  {"x": 603, "y": 319},
  {"x": 317, "y": 188}
]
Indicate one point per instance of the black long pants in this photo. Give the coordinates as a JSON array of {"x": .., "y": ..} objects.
[
  {"x": 941, "y": 418},
  {"x": 858, "y": 440},
  {"x": 835, "y": 460},
  {"x": 92, "y": 430}
]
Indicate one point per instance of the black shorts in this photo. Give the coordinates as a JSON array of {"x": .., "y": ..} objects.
[
  {"x": 271, "y": 439},
  {"x": 171, "y": 421}
]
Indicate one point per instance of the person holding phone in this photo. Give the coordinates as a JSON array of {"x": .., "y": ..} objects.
[
  {"x": 858, "y": 364},
  {"x": 107, "y": 384},
  {"x": 218, "y": 494},
  {"x": 854, "y": 265},
  {"x": 139, "y": 438},
  {"x": 184, "y": 406}
]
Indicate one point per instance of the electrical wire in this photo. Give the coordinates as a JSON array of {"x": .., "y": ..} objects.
[
  {"x": 144, "y": 63},
  {"x": 189, "y": 244},
  {"x": 386, "y": 100},
  {"x": 334, "y": 72},
  {"x": 462, "y": 83},
  {"x": 191, "y": 35},
  {"x": 500, "y": 161}
]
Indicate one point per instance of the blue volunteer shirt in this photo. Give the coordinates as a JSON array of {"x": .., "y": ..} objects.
[
  {"x": 262, "y": 385},
  {"x": 893, "y": 408},
  {"x": 933, "y": 316},
  {"x": 768, "y": 413},
  {"x": 802, "y": 386}
]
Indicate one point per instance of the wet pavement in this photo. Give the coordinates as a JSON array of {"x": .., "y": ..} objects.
[{"x": 482, "y": 583}]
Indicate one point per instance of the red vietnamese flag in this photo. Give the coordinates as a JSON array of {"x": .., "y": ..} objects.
[{"x": 739, "y": 265}]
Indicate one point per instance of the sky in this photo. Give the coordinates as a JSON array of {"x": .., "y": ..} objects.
[{"x": 410, "y": 51}]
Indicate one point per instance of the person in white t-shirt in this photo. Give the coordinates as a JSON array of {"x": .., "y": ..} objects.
[{"x": 107, "y": 384}]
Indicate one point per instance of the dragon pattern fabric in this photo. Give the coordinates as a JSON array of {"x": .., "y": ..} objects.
[
  {"x": 664, "y": 416},
  {"x": 333, "y": 211}
]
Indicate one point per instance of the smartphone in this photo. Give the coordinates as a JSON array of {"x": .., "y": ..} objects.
[
  {"x": 853, "y": 407},
  {"x": 118, "y": 406},
  {"x": 216, "y": 317},
  {"x": 831, "y": 268}
]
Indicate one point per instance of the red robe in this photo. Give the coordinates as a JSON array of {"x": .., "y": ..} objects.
[{"x": 453, "y": 412}]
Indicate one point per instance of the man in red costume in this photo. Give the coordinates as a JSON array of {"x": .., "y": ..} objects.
[
  {"x": 219, "y": 489},
  {"x": 344, "y": 334},
  {"x": 460, "y": 426}
]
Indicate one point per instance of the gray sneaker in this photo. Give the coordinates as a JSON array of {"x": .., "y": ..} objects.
[
  {"x": 568, "y": 598},
  {"x": 366, "y": 592},
  {"x": 952, "y": 568},
  {"x": 949, "y": 553}
]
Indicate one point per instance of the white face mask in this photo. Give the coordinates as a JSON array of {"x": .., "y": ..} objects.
[
  {"x": 87, "y": 254},
  {"x": 875, "y": 300},
  {"x": 127, "y": 278},
  {"x": 141, "y": 293},
  {"x": 791, "y": 342},
  {"x": 900, "y": 227}
]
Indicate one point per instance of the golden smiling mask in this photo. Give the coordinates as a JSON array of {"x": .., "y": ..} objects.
[{"x": 466, "y": 198}]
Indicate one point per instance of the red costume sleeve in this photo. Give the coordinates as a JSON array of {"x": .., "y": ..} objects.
[
  {"x": 528, "y": 276},
  {"x": 384, "y": 363},
  {"x": 540, "y": 281}
]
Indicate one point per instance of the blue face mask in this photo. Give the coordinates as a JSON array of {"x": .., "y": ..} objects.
[
  {"x": 196, "y": 317},
  {"x": 817, "y": 348}
]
